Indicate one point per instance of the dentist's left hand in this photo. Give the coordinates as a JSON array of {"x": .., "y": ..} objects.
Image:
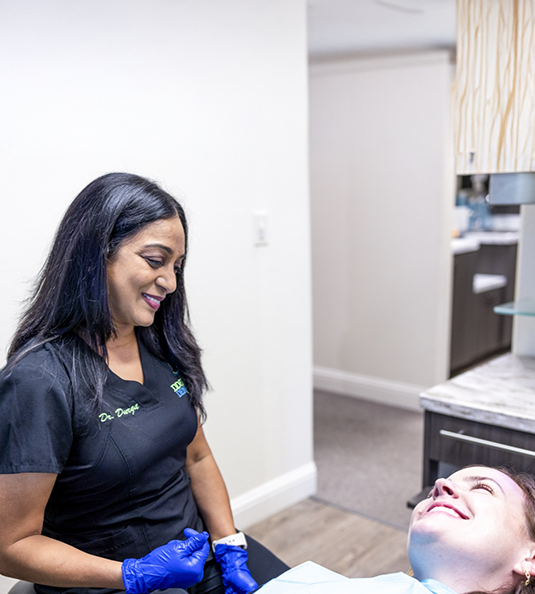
[{"x": 237, "y": 578}]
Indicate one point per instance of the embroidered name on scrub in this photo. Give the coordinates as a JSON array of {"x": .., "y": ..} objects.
[
  {"x": 179, "y": 388},
  {"x": 119, "y": 412}
]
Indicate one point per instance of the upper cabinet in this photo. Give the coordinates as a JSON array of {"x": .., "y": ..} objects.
[{"x": 494, "y": 94}]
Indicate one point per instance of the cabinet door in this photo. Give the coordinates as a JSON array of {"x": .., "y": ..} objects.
[
  {"x": 460, "y": 442},
  {"x": 487, "y": 325},
  {"x": 495, "y": 131},
  {"x": 464, "y": 306},
  {"x": 476, "y": 331},
  {"x": 501, "y": 259}
]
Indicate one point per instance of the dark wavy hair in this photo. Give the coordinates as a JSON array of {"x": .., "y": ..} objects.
[
  {"x": 526, "y": 482},
  {"x": 71, "y": 293}
]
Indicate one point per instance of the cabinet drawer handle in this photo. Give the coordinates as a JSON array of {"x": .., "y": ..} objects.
[{"x": 486, "y": 442}]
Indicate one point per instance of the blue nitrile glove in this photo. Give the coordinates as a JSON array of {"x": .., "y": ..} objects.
[
  {"x": 237, "y": 578},
  {"x": 178, "y": 564}
]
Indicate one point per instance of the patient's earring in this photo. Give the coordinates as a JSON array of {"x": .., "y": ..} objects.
[{"x": 528, "y": 578}]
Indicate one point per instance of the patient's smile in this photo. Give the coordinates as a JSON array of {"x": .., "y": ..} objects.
[{"x": 451, "y": 511}]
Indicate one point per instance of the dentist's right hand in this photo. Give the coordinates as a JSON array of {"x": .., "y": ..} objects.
[{"x": 178, "y": 564}]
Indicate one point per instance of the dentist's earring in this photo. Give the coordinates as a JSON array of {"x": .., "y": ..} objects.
[{"x": 528, "y": 578}]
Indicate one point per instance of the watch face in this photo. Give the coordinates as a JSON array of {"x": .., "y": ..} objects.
[{"x": 237, "y": 540}]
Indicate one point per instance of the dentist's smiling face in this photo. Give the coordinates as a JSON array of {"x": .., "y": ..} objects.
[
  {"x": 475, "y": 516},
  {"x": 143, "y": 272}
]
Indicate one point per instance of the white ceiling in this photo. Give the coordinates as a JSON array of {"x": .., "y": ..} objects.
[{"x": 344, "y": 27}]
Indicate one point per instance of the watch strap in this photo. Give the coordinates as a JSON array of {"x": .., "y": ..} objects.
[{"x": 237, "y": 540}]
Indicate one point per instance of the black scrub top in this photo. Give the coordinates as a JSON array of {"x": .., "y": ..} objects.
[{"x": 122, "y": 487}]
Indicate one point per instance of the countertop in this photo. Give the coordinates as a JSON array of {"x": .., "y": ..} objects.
[
  {"x": 471, "y": 240},
  {"x": 494, "y": 237},
  {"x": 500, "y": 392}
]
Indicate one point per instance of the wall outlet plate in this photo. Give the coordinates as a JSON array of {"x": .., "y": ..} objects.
[{"x": 260, "y": 227}]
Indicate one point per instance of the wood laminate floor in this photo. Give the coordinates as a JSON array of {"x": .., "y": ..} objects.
[{"x": 345, "y": 542}]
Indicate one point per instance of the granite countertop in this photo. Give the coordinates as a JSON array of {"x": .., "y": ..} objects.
[{"x": 500, "y": 392}]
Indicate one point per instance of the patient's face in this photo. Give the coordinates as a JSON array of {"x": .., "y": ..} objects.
[{"x": 474, "y": 516}]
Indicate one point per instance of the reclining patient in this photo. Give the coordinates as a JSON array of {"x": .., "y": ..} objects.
[{"x": 475, "y": 533}]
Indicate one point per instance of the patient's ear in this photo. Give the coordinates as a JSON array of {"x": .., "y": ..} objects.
[{"x": 527, "y": 564}]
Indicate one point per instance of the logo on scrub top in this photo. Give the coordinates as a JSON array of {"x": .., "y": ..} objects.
[
  {"x": 179, "y": 388},
  {"x": 119, "y": 412}
]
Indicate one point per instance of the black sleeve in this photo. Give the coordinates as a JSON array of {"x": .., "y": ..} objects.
[{"x": 35, "y": 420}]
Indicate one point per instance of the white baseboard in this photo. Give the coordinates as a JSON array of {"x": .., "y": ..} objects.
[
  {"x": 367, "y": 387},
  {"x": 274, "y": 496}
]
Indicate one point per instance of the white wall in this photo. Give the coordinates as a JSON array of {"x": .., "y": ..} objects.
[
  {"x": 209, "y": 97},
  {"x": 382, "y": 187}
]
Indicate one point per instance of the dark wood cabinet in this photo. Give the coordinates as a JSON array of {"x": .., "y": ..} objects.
[
  {"x": 478, "y": 333},
  {"x": 452, "y": 442},
  {"x": 459, "y": 442},
  {"x": 501, "y": 259}
]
